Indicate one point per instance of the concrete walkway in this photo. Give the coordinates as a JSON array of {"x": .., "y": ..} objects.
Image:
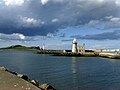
[{"x": 9, "y": 81}]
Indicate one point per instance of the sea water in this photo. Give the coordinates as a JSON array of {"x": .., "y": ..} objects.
[{"x": 65, "y": 73}]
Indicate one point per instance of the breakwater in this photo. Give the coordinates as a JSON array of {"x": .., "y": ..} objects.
[
  {"x": 50, "y": 51},
  {"x": 86, "y": 54},
  {"x": 15, "y": 81},
  {"x": 109, "y": 55},
  {"x": 69, "y": 54}
]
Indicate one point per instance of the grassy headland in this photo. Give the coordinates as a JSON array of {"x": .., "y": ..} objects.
[{"x": 19, "y": 47}]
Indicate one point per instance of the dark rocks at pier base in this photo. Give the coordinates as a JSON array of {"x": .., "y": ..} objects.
[
  {"x": 46, "y": 87},
  {"x": 34, "y": 82},
  {"x": 115, "y": 57},
  {"x": 23, "y": 77},
  {"x": 50, "y": 51},
  {"x": 68, "y": 54},
  {"x": 42, "y": 86}
]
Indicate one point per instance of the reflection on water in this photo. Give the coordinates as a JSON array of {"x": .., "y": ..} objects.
[
  {"x": 65, "y": 73},
  {"x": 74, "y": 73}
]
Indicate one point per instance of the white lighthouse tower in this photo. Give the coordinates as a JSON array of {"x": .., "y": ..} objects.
[
  {"x": 43, "y": 47},
  {"x": 74, "y": 46}
]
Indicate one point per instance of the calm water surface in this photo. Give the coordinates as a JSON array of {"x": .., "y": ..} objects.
[{"x": 65, "y": 73}]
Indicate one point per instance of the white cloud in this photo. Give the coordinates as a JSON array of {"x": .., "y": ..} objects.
[
  {"x": 29, "y": 20},
  {"x": 50, "y": 35},
  {"x": 115, "y": 19},
  {"x": 44, "y": 2},
  {"x": 55, "y": 20},
  {"x": 112, "y": 22},
  {"x": 21, "y": 36},
  {"x": 109, "y": 22},
  {"x": 42, "y": 22},
  {"x": 100, "y": 1},
  {"x": 14, "y": 36},
  {"x": 26, "y": 21},
  {"x": 117, "y": 2},
  {"x": 14, "y": 2},
  {"x": 109, "y": 17},
  {"x": 93, "y": 22}
]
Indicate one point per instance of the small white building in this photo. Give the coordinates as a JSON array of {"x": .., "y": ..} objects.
[
  {"x": 81, "y": 49},
  {"x": 111, "y": 50},
  {"x": 108, "y": 50}
]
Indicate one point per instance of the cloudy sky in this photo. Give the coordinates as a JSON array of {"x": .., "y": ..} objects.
[{"x": 56, "y": 22}]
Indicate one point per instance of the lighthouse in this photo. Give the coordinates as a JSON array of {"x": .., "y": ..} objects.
[
  {"x": 43, "y": 47},
  {"x": 74, "y": 46}
]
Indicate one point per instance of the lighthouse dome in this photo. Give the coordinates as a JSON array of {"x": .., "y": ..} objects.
[{"x": 74, "y": 40}]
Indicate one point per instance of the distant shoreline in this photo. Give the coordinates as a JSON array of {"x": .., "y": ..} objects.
[{"x": 88, "y": 53}]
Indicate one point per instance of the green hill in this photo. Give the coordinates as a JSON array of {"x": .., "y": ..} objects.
[{"x": 19, "y": 47}]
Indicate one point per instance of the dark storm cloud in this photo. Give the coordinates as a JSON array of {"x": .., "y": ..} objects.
[
  {"x": 33, "y": 17},
  {"x": 115, "y": 35},
  {"x": 68, "y": 40}
]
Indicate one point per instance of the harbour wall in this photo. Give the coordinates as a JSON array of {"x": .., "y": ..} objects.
[
  {"x": 10, "y": 80},
  {"x": 112, "y": 55}
]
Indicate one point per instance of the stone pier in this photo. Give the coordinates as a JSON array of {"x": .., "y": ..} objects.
[{"x": 9, "y": 81}]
